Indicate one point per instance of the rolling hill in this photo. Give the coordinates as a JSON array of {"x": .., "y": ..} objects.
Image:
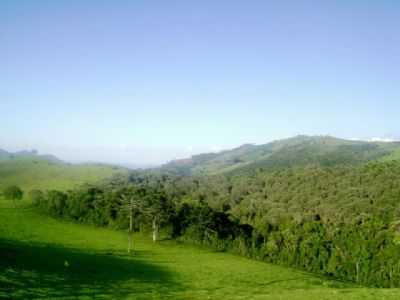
[
  {"x": 297, "y": 151},
  {"x": 30, "y": 171}
]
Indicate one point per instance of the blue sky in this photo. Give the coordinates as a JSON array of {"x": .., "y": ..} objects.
[{"x": 149, "y": 81}]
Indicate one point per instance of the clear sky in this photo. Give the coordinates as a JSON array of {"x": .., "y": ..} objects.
[{"x": 148, "y": 81}]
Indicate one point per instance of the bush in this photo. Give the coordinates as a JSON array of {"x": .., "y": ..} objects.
[{"x": 13, "y": 192}]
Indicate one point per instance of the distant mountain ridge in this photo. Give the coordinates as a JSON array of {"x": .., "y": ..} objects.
[{"x": 300, "y": 150}]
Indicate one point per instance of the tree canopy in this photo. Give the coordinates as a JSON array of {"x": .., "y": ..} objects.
[{"x": 13, "y": 192}]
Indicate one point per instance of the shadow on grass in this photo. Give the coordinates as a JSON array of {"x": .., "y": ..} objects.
[{"x": 29, "y": 271}]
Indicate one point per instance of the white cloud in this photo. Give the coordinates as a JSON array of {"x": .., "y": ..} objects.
[
  {"x": 384, "y": 140},
  {"x": 376, "y": 139}
]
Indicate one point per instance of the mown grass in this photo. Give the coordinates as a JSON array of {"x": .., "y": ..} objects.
[
  {"x": 36, "y": 173},
  {"x": 42, "y": 257}
]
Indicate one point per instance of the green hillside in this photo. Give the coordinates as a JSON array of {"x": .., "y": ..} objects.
[
  {"x": 35, "y": 172},
  {"x": 297, "y": 151},
  {"x": 317, "y": 204},
  {"x": 46, "y": 258},
  {"x": 395, "y": 155},
  {"x": 337, "y": 221}
]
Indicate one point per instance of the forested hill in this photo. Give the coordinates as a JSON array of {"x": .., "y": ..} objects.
[
  {"x": 320, "y": 204},
  {"x": 298, "y": 151},
  {"x": 340, "y": 221}
]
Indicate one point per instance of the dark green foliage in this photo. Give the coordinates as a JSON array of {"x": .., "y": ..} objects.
[
  {"x": 338, "y": 221},
  {"x": 13, "y": 192}
]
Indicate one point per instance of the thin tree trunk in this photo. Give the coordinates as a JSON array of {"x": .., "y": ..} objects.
[
  {"x": 357, "y": 271},
  {"x": 130, "y": 227},
  {"x": 155, "y": 229}
]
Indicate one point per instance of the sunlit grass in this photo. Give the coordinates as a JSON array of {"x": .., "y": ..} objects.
[
  {"x": 30, "y": 173},
  {"x": 44, "y": 257}
]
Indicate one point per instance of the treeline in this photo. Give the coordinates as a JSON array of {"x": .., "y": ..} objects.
[{"x": 338, "y": 221}]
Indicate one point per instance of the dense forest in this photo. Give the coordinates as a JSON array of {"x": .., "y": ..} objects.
[{"x": 340, "y": 221}]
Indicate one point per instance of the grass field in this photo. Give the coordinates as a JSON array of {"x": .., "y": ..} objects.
[
  {"x": 36, "y": 173},
  {"x": 46, "y": 258}
]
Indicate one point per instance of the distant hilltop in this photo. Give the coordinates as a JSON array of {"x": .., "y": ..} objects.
[
  {"x": 301, "y": 150},
  {"x": 34, "y": 155},
  {"x": 5, "y": 155}
]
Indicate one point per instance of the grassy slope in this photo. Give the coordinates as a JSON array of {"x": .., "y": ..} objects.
[
  {"x": 34, "y": 249},
  {"x": 35, "y": 173}
]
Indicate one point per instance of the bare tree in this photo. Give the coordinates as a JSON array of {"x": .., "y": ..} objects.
[
  {"x": 159, "y": 211},
  {"x": 131, "y": 205},
  {"x": 155, "y": 228},
  {"x": 153, "y": 206}
]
